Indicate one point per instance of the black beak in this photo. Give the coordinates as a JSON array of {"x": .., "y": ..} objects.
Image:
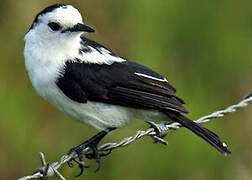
[{"x": 80, "y": 28}]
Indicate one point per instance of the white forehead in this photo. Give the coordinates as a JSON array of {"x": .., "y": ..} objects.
[{"x": 65, "y": 15}]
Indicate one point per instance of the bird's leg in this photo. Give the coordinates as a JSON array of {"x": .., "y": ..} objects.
[{"x": 92, "y": 144}]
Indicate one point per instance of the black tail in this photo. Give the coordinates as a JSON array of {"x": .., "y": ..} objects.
[{"x": 206, "y": 134}]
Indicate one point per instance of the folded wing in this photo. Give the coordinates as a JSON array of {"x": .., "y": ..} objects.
[{"x": 125, "y": 83}]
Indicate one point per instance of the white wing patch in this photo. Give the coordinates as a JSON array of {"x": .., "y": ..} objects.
[
  {"x": 224, "y": 144},
  {"x": 100, "y": 56},
  {"x": 151, "y": 77}
]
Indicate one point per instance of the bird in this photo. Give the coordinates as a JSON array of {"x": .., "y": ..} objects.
[{"x": 91, "y": 84}]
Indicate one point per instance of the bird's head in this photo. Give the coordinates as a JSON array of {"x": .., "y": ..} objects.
[{"x": 58, "y": 22}]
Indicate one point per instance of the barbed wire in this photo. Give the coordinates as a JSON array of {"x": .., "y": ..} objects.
[{"x": 156, "y": 131}]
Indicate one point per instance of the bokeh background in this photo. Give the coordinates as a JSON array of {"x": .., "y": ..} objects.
[{"x": 204, "y": 48}]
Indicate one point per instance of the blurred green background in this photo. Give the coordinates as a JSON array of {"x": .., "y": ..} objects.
[{"x": 204, "y": 48}]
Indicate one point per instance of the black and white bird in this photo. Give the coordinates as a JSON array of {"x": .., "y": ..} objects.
[{"x": 93, "y": 85}]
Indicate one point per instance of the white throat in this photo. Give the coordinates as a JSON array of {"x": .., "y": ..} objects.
[
  {"x": 45, "y": 59},
  {"x": 51, "y": 51}
]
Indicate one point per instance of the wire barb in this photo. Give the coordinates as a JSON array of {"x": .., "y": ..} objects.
[
  {"x": 160, "y": 130},
  {"x": 156, "y": 131}
]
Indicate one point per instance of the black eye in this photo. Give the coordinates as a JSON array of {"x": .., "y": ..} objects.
[{"x": 54, "y": 26}]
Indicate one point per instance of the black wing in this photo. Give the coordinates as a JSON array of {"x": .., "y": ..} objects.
[{"x": 126, "y": 83}]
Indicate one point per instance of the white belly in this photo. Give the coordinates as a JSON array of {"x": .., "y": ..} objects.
[{"x": 98, "y": 115}]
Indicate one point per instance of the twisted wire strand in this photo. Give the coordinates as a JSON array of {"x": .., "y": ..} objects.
[{"x": 47, "y": 170}]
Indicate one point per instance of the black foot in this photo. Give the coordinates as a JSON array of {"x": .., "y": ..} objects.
[{"x": 92, "y": 144}]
